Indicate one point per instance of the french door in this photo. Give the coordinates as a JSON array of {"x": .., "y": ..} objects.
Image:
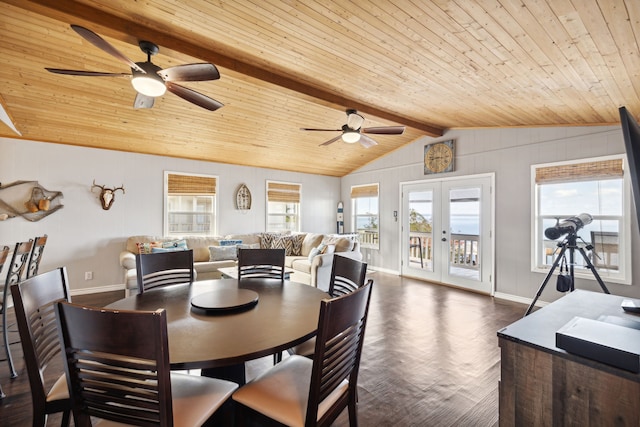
[{"x": 447, "y": 231}]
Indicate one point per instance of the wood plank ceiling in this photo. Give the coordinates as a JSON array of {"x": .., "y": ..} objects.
[{"x": 428, "y": 65}]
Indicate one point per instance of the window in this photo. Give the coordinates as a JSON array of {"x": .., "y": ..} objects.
[
  {"x": 283, "y": 206},
  {"x": 569, "y": 189},
  {"x": 364, "y": 205},
  {"x": 190, "y": 204}
]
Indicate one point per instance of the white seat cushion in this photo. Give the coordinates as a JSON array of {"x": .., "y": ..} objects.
[
  {"x": 59, "y": 390},
  {"x": 307, "y": 348},
  {"x": 281, "y": 393},
  {"x": 194, "y": 398}
]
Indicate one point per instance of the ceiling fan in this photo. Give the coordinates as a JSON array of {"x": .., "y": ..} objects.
[
  {"x": 149, "y": 80},
  {"x": 353, "y": 131}
]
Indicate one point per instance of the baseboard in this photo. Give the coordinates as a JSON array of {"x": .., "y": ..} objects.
[
  {"x": 498, "y": 295},
  {"x": 522, "y": 300},
  {"x": 373, "y": 269},
  {"x": 97, "y": 289}
]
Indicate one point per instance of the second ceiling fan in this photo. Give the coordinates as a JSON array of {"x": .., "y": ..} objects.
[
  {"x": 149, "y": 80},
  {"x": 353, "y": 131}
]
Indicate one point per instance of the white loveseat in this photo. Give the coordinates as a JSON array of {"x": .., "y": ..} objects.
[{"x": 314, "y": 271}]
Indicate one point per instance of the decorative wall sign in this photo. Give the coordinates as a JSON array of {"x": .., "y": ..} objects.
[
  {"x": 29, "y": 200},
  {"x": 243, "y": 198},
  {"x": 439, "y": 157}
]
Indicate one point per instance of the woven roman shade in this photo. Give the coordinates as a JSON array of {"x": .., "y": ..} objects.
[
  {"x": 370, "y": 190},
  {"x": 191, "y": 184},
  {"x": 605, "y": 169},
  {"x": 283, "y": 192}
]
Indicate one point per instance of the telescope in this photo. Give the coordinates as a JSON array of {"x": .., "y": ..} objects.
[{"x": 569, "y": 225}]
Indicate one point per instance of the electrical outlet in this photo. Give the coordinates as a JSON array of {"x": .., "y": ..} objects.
[{"x": 88, "y": 275}]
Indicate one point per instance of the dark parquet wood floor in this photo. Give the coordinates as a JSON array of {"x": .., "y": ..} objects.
[{"x": 430, "y": 358}]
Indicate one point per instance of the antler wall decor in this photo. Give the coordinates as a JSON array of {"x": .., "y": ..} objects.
[{"x": 107, "y": 195}]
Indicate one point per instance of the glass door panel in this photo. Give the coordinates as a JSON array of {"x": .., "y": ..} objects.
[{"x": 446, "y": 232}]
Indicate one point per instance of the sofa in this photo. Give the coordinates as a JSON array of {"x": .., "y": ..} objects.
[{"x": 309, "y": 255}]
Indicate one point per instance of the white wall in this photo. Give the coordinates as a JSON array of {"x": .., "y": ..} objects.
[
  {"x": 509, "y": 153},
  {"x": 84, "y": 237}
]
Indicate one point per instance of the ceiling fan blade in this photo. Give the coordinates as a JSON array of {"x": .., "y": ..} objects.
[
  {"x": 101, "y": 43},
  {"x": 193, "y": 96},
  {"x": 366, "y": 141},
  {"x": 6, "y": 118},
  {"x": 322, "y": 130},
  {"x": 331, "y": 141},
  {"x": 385, "y": 130},
  {"x": 190, "y": 73},
  {"x": 143, "y": 101},
  {"x": 86, "y": 73}
]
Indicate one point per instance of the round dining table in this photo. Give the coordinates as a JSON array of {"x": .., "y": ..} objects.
[{"x": 220, "y": 341}]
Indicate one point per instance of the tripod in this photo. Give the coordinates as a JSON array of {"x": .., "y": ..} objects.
[{"x": 569, "y": 243}]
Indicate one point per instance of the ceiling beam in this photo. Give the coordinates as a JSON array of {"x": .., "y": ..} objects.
[{"x": 123, "y": 29}]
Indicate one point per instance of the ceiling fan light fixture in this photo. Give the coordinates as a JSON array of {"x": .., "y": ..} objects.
[
  {"x": 351, "y": 137},
  {"x": 148, "y": 84},
  {"x": 354, "y": 120}
]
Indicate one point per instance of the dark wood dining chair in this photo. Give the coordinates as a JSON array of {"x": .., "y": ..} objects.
[
  {"x": 33, "y": 301},
  {"x": 36, "y": 255},
  {"x": 261, "y": 263},
  {"x": 125, "y": 376},
  {"x": 164, "y": 268},
  {"x": 347, "y": 275},
  {"x": 312, "y": 392},
  {"x": 14, "y": 275},
  {"x": 4, "y": 254}
]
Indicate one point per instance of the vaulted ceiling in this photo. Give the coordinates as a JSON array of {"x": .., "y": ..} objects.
[{"x": 285, "y": 64}]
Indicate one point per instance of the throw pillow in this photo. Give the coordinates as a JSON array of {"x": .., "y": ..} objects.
[
  {"x": 176, "y": 245},
  {"x": 313, "y": 253},
  {"x": 155, "y": 250},
  {"x": 267, "y": 239},
  {"x": 230, "y": 242},
  {"x": 292, "y": 244},
  {"x": 318, "y": 250},
  {"x": 222, "y": 253},
  {"x": 342, "y": 244},
  {"x": 310, "y": 241},
  {"x": 145, "y": 248}
]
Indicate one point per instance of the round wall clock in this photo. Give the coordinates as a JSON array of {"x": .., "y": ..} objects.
[
  {"x": 439, "y": 157},
  {"x": 243, "y": 198}
]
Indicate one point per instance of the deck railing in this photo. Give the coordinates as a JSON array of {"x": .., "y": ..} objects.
[
  {"x": 368, "y": 238},
  {"x": 464, "y": 249}
]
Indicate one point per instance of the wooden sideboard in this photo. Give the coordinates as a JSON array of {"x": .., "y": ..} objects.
[{"x": 542, "y": 385}]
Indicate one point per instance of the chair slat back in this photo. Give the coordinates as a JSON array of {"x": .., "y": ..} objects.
[
  {"x": 164, "y": 268},
  {"x": 36, "y": 255},
  {"x": 261, "y": 263},
  {"x": 338, "y": 349},
  {"x": 34, "y": 300},
  {"x": 347, "y": 275},
  {"x": 14, "y": 275},
  {"x": 18, "y": 263},
  {"x": 4, "y": 254},
  {"x": 117, "y": 364}
]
